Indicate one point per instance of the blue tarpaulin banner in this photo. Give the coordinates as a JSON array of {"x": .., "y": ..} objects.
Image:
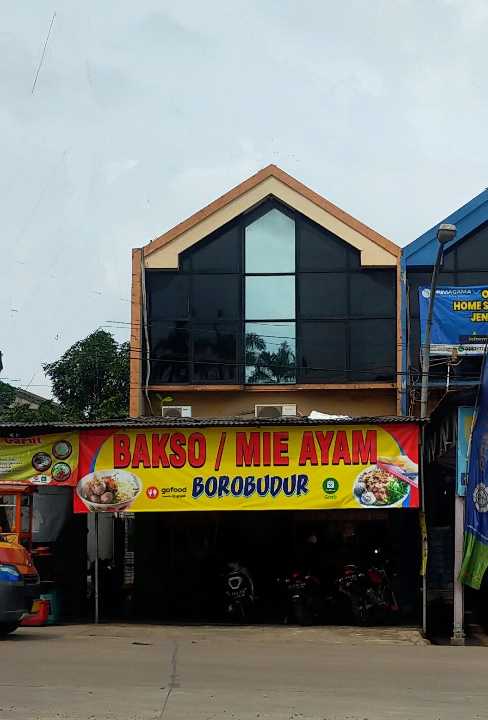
[
  {"x": 475, "y": 559},
  {"x": 460, "y": 319}
]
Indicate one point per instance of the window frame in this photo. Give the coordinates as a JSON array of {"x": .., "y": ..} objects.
[{"x": 351, "y": 268}]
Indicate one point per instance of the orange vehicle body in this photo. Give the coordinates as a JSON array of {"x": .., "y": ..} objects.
[
  {"x": 11, "y": 553},
  {"x": 17, "y": 594}
]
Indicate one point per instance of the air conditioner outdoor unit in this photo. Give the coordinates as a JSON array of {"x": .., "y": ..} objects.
[
  {"x": 176, "y": 411},
  {"x": 274, "y": 411}
]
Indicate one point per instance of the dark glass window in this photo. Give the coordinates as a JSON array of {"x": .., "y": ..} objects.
[
  {"x": 215, "y": 351},
  {"x": 323, "y": 352},
  {"x": 322, "y": 295},
  {"x": 270, "y": 243},
  {"x": 373, "y": 293},
  {"x": 373, "y": 349},
  {"x": 270, "y": 353},
  {"x": 219, "y": 253},
  {"x": 216, "y": 297},
  {"x": 271, "y": 298},
  {"x": 320, "y": 250},
  {"x": 169, "y": 350},
  {"x": 168, "y": 294}
]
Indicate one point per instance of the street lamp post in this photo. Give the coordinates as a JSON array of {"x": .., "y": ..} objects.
[{"x": 445, "y": 233}]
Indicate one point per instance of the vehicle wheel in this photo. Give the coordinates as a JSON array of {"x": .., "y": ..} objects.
[
  {"x": 7, "y": 628},
  {"x": 302, "y": 616}
]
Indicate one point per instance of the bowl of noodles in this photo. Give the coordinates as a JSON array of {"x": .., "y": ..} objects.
[
  {"x": 376, "y": 487},
  {"x": 108, "y": 490}
]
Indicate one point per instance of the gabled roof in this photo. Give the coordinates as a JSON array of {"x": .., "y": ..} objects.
[
  {"x": 467, "y": 218},
  {"x": 272, "y": 180}
]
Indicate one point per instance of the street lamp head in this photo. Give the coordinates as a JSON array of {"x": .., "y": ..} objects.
[{"x": 445, "y": 233}]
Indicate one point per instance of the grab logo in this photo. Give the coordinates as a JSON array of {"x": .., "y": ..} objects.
[{"x": 152, "y": 492}]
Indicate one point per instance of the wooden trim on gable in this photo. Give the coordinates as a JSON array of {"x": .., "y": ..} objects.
[{"x": 293, "y": 184}]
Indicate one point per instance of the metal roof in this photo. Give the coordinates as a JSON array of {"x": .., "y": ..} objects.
[
  {"x": 159, "y": 422},
  {"x": 467, "y": 218}
]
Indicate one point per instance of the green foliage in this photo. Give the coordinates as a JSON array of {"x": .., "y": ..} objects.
[
  {"x": 47, "y": 411},
  {"x": 7, "y": 396},
  {"x": 91, "y": 379},
  {"x": 90, "y": 382}
]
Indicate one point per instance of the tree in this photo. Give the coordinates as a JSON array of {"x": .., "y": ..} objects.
[
  {"x": 91, "y": 379},
  {"x": 269, "y": 367},
  {"x": 7, "y": 396},
  {"x": 10, "y": 411}
]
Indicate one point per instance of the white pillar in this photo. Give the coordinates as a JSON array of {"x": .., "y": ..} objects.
[{"x": 458, "y": 637}]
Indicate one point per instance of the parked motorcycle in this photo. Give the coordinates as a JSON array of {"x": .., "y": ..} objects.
[
  {"x": 239, "y": 593},
  {"x": 369, "y": 593},
  {"x": 304, "y": 601}
]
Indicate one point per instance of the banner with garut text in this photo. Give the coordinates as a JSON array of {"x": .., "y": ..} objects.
[
  {"x": 232, "y": 468},
  {"x": 40, "y": 459}
]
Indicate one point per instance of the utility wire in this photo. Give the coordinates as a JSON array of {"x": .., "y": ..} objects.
[{"x": 43, "y": 53}]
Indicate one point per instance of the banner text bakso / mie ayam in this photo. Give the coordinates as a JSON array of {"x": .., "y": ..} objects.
[{"x": 229, "y": 468}]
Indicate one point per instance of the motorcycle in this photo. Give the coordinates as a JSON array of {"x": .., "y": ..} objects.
[
  {"x": 368, "y": 593},
  {"x": 304, "y": 601},
  {"x": 239, "y": 593}
]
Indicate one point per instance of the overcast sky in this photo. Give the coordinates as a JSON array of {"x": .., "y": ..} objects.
[{"x": 145, "y": 111}]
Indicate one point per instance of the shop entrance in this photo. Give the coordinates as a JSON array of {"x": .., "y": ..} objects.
[{"x": 170, "y": 567}]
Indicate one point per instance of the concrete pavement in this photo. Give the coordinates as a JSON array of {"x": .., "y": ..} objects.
[{"x": 118, "y": 672}]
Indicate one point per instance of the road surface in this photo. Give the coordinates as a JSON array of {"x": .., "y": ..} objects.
[{"x": 118, "y": 672}]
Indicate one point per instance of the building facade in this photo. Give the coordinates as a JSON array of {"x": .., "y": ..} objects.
[
  {"x": 453, "y": 386},
  {"x": 270, "y": 301}
]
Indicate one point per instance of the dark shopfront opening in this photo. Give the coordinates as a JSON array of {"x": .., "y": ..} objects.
[{"x": 169, "y": 567}]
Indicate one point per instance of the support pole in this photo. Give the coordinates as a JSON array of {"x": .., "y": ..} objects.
[
  {"x": 424, "y": 398},
  {"x": 458, "y": 637},
  {"x": 96, "y": 583}
]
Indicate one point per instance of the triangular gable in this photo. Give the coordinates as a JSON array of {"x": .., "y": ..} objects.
[
  {"x": 375, "y": 249},
  {"x": 467, "y": 218}
]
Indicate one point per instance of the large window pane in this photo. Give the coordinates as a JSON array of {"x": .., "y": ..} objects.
[
  {"x": 373, "y": 350},
  {"x": 215, "y": 354},
  {"x": 169, "y": 351},
  {"x": 270, "y": 244},
  {"x": 167, "y": 295},
  {"x": 322, "y": 295},
  {"x": 323, "y": 354},
  {"x": 373, "y": 293},
  {"x": 270, "y": 297},
  {"x": 320, "y": 250},
  {"x": 270, "y": 353},
  {"x": 221, "y": 252},
  {"x": 216, "y": 297}
]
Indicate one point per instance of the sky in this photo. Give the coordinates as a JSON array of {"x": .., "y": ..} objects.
[{"x": 143, "y": 112}]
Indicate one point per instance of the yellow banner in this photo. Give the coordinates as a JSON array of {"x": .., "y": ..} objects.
[
  {"x": 40, "y": 459},
  {"x": 233, "y": 468}
]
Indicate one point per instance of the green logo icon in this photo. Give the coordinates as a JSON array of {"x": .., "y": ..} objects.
[{"x": 330, "y": 486}]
